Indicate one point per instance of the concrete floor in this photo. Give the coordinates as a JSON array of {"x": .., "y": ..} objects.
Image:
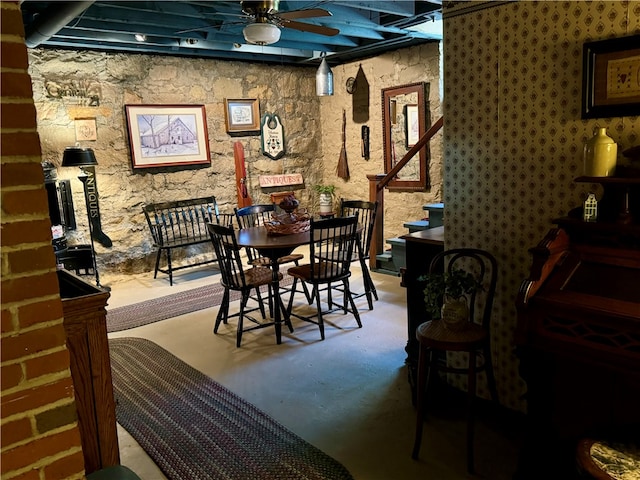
[{"x": 347, "y": 395}]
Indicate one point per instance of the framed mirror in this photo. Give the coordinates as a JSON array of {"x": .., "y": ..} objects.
[{"x": 405, "y": 117}]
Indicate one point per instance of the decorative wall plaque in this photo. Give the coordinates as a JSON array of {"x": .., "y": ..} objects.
[
  {"x": 272, "y": 136},
  {"x": 86, "y": 129}
]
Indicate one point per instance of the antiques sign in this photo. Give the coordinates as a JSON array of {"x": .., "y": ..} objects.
[
  {"x": 280, "y": 180},
  {"x": 81, "y": 91}
]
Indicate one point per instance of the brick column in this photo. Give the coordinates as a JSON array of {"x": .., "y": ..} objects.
[{"x": 40, "y": 436}]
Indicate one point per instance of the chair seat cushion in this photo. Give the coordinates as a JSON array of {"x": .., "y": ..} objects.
[
  {"x": 254, "y": 277},
  {"x": 339, "y": 256},
  {"x": 294, "y": 257},
  {"x": 322, "y": 272},
  {"x": 266, "y": 262},
  {"x": 435, "y": 334}
]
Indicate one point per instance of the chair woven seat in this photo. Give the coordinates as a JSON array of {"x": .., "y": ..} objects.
[
  {"x": 321, "y": 272},
  {"x": 265, "y": 262},
  {"x": 434, "y": 334},
  {"x": 255, "y": 277}
]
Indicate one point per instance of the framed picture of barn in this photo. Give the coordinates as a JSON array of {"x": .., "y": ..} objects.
[{"x": 167, "y": 135}]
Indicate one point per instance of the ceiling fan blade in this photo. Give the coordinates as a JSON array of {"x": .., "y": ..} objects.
[
  {"x": 213, "y": 27},
  {"x": 308, "y": 27},
  {"x": 311, "y": 12}
]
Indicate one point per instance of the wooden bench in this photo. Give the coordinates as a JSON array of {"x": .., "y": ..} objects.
[{"x": 182, "y": 223}]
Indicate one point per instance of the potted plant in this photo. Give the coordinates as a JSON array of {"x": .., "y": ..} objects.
[
  {"x": 445, "y": 296},
  {"x": 326, "y": 195}
]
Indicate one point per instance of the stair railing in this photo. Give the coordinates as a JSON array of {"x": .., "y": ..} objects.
[{"x": 378, "y": 182}]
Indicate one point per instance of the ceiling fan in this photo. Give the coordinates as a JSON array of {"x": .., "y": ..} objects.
[{"x": 266, "y": 20}]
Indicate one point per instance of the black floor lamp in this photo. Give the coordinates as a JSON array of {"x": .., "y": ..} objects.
[{"x": 83, "y": 157}]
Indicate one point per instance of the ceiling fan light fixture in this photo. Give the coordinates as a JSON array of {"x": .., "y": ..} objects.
[
  {"x": 261, "y": 33},
  {"x": 324, "y": 79}
]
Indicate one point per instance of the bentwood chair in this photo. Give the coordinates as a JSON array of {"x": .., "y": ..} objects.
[
  {"x": 473, "y": 339},
  {"x": 235, "y": 277},
  {"x": 366, "y": 212},
  {"x": 331, "y": 245},
  {"x": 257, "y": 215}
]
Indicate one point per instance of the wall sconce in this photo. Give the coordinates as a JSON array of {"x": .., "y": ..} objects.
[
  {"x": 324, "y": 78},
  {"x": 83, "y": 157}
]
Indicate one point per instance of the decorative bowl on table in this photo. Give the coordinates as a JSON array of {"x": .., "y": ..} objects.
[{"x": 288, "y": 223}]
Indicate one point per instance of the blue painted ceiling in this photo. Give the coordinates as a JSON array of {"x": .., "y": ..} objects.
[{"x": 213, "y": 29}]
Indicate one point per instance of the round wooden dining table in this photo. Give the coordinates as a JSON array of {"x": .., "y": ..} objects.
[{"x": 273, "y": 247}]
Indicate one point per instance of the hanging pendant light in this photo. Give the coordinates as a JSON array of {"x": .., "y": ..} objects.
[
  {"x": 261, "y": 33},
  {"x": 324, "y": 79}
]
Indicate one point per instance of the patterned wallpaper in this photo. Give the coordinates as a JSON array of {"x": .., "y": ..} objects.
[{"x": 513, "y": 137}]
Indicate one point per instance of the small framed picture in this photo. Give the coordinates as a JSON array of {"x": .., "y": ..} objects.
[
  {"x": 611, "y": 78},
  {"x": 242, "y": 115},
  {"x": 167, "y": 135},
  {"x": 86, "y": 129}
]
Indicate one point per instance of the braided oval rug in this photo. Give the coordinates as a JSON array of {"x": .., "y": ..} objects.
[
  {"x": 169, "y": 306},
  {"x": 194, "y": 428}
]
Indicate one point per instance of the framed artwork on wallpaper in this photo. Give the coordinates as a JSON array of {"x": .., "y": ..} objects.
[
  {"x": 167, "y": 135},
  {"x": 242, "y": 115},
  {"x": 611, "y": 78}
]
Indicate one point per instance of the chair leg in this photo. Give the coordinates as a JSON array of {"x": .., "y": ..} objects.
[
  {"x": 293, "y": 293},
  {"x": 155, "y": 273},
  {"x": 312, "y": 294},
  {"x": 285, "y": 312},
  {"x": 329, "y": 296},
  {"x": 260, "y": 303},
  {"x": 169, "y": 269},
  {"x": 319, "y": 306},
  {"x": 223, "y": 312},
  {"x": 243, "y": 303},
  {"x": 426, "y": 368},
  {"x": 307, "y": 294},
  {"x": 488, "y": 368},
  {"x": 270, "y": 299},
  {"x": 369, "y": 287},
  {"x": 348, "y": 295},
  {"x": 471, "y": 394}
]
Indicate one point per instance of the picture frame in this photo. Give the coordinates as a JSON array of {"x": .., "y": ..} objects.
[
  {"x": 86, "y": 129},
  {"x": 611, "y": 78},
  {"x": 411, "y": 125},
  {"x": 242, "y": 115},
  {"x": 167, "y": 135}
]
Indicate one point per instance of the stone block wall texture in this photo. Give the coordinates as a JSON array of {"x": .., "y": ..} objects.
[
  {"x": 312, "y": 127},
  {"x": 39, "y": 431},
  {"x": 514, "y": 138},
  {"x": 409, "y": 65}
]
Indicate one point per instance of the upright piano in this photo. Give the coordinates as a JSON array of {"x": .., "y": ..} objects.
[{"x": 578, "y": 331}]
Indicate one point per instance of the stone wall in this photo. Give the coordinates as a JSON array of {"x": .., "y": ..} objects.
[
  {"x": 409, "y": 65},
  {"x": 312, "y": 127}
]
